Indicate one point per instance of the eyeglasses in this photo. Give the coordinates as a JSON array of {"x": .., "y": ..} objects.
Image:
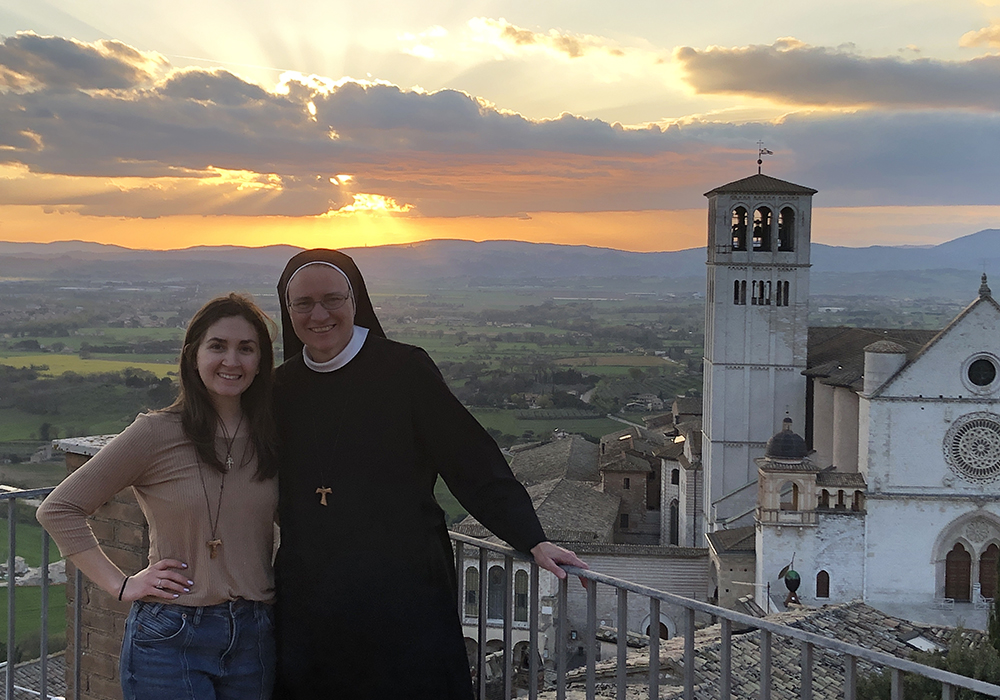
[{"x": 331, "y": 302}]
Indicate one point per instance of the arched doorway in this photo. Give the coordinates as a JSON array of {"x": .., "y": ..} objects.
[
  {"x": 958, "y": 573},
  {"x": 988, "y": 571}
]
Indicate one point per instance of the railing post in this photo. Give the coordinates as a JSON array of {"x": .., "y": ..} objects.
[
  {"x": 850, "y": 678},
  {"x": 533, "y": 634},
  {"x": 622, "y": 643},
  {"x": 508, "y": 625},
  {"x": 947, "y": 691},
  {"x": 806, "y": 690},
  {"x": 726, "y": 659},
  {"x": 897, "y": 685},
  {"x": 765, "y": 665},
  {"x": 591, "y": 637},
  {"x": 654, "y": 648},
  {"x": 44, "y": 643},
  {"x": 11, "y": 552},
  {"x": 77, "y": 634},
  {"x": 689, "y": 655},
  {"x": 481, "y": 651},
  {"x": 561, "y": 640},
  {"x": 460, "y": 577}
]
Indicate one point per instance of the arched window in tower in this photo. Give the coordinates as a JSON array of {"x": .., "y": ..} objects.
[
  {"x": 739, "y": 228},
  {"x": 674, "y": 523},
  {"x": 789, "y": 496},
  {"x": 988, "y": 571},
  {"x": 786, "y": 229},
  {"x": 767, "y": 294},
  {"x": 472, "y": 592},
  {"x": 521, "y": 596},
  {"x": 675, "y": 476},
  {"x": 753, "y": 292},
  {"x": 822, "y": 585},
  {"x": 958, "y": 573},
  {"x": 762, "y": 229},
  {"x": 743, "y": 293},
  {"x": 779, "y": 299},
  {"x": 495, "y": 593}
]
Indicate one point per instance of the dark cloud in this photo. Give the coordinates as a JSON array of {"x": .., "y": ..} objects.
[
  {"x": 791, "y": 72},
  {"x": 448, "y": 153},
  {"x": 218, "y": 86},
  {"x": 29, "y": 61}
]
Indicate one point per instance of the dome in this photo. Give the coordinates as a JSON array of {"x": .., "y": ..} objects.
[{"x": 786, "y": 445}]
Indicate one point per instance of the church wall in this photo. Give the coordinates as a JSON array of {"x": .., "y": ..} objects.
[
  {"x": 912, "y": 535},
  {"x": 669, "y": 493},
  {"x": 845, "y": 429},
  {"x": 822, "y": 412},
  {"x": 905, "y": 446},
  {"x": 686, "y": 576},
  {"x": 835, "y": 545},
  {"x": 939, "y": 371},
  {"x": 734, "y": 577},
  {"x": 691, "y": 524}
]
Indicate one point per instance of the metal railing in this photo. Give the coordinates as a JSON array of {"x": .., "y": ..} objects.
[
  {"x": 808, "y": 642},
  {"x": 11, "y": 496}
]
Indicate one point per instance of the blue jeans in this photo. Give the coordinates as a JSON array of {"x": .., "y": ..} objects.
[{"x": 218, "y": 652}]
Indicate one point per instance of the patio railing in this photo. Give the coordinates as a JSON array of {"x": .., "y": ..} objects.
[
  {"x": 11, "y": 497},
  {"x": 808, "y": 642}
]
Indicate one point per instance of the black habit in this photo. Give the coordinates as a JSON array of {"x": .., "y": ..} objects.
[{"x": 367, "y": 604}]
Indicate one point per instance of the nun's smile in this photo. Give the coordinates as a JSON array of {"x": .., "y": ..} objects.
[{"x": 324, "y": 331}]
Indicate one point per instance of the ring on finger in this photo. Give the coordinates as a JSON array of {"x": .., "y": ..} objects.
[{"x": 158, "y": 582}]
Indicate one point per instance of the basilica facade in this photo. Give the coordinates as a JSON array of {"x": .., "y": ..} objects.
[{"x": 867, "y": 459}]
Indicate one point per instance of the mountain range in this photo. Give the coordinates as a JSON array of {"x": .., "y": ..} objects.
[{"x": 880, "y": 270}]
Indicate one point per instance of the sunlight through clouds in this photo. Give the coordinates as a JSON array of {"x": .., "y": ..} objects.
[{"x": 371, "y": 204}]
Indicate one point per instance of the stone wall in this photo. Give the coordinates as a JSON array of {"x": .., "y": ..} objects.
[{"x": 123, "y": 534}]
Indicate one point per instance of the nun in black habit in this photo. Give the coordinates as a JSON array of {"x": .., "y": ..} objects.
[{"x": 367, "y": 603}]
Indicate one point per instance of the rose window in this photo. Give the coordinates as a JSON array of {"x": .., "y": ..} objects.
[{"x": 972, "y": 447}]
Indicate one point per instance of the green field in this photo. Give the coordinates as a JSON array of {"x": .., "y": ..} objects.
[
  {"x": 28, "y": 599},
  {"x": 28, "y": 615},
  {"x": 58, "y": 364}
]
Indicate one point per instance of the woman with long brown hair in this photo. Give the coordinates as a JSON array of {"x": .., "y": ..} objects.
[{"x": 201, "y": 623}]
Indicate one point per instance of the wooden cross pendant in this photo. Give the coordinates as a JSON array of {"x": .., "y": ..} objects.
[
  {"x": 214, "y": 546},
  {"x": 323, "y": 491}
]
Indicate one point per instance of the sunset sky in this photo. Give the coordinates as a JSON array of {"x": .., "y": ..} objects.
[{"x": 166, "y": 125}]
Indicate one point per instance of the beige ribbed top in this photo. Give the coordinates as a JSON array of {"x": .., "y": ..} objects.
[{"x": 156, "y": 459}]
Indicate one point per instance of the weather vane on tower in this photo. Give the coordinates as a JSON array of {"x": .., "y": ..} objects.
[{"x": 761, "y": 152}]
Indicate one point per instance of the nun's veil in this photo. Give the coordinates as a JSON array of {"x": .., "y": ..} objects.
[{"x": 364, "y": 312}]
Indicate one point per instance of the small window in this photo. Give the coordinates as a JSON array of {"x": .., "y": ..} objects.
[
  {"x": 624, "y": 521},
  {"x": 675, "y": 476},
  {"x": 626, "y": 483},
  {"x": 521, "y": 596},
  {"x": 822, "y": 585}
]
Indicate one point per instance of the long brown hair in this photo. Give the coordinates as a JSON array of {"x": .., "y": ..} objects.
[{"x": 198, "y": 416}]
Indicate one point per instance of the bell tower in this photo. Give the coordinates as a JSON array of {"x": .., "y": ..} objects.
[{"x": 756, "y": 330}]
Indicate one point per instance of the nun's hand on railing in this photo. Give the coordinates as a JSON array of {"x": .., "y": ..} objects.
[{"x": 549, "y": 556}]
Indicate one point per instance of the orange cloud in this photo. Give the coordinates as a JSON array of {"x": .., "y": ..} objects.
[{"x": 987, "y": 36}]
